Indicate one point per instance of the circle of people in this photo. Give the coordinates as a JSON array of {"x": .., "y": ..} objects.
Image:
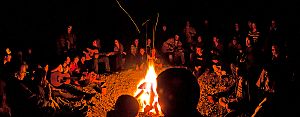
[{"x": 245, "y": 54}]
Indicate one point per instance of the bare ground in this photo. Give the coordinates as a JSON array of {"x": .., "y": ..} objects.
[{"x": 126, "y": 82}]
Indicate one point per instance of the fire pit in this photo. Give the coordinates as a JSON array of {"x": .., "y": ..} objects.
[{"x": 147, "y": 95}]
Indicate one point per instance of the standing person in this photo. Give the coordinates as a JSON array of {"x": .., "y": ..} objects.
[
  {"x": 67, "y": 42},
  {"x": 71, "y": 40},
  {"x": 163, "y": 36},
  {"x": 254, "y": 34},
  {"x": 249, "y": 25},
  {"x": 207, "y": 32},
  {"x": 189, "y": 32}
]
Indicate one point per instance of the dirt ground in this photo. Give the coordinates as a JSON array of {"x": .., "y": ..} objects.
[{"x": 126, "y": 82}]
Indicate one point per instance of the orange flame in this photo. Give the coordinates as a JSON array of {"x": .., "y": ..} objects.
[{"x": 146, "y": 92}]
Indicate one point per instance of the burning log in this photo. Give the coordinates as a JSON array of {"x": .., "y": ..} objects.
[
  {"x": 143, "y": 86},
  {"x": 148, "y": 108},
  {"x": 152, "y": 94},
  {"x": 156, "y": 108},
  {"x": 139, "y": 94},
  {"x": 147, "y": 94}
]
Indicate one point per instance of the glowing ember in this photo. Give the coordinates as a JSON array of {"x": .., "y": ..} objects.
[{"x": 146, "y": 93}]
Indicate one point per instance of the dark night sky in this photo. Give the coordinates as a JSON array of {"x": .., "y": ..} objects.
[{"x": 23, "y": 22}]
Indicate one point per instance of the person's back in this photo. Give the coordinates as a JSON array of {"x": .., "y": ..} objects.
[{"x": 178, "y": 92}]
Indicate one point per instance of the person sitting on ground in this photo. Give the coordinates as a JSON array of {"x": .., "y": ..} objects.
[
  {"x": 178, "y": 93},
  {"x": 199, "y": 61},
  {"x": 60, "y": 80},
  {"x": 131, "y": 57},
  {"x": 19, "y": 97},
  {"x": 5, "y": 73},
  {"x": 267, "y": 94},
  {"x": 6, "y": 66},
  {"x": 236, "y": 97},
  {"x": 125, "y": 106},
  {"x": 141, "y": 59},
  {"x": 155, "y": 59},
  {"x": 82, "y": 65},
  {"x": 74, "y": 69},
  {"x": 62, "y": 70}
]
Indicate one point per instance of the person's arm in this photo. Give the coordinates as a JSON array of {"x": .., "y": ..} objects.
[
  {"x": 67, "y": 71},
  {"x": 225, "y": 93},
  {"x": 179, "y": 44},
  {"x": 57, "y": 69},
  {"x": 193, "y": 31},
  {"x": 72, "y": 67}
]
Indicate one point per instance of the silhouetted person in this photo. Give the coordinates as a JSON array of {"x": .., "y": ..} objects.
[
  {"x": 19, "y": 97},
  {"x": 178, "y": 92},
  {"x": 125, "y": 106}
]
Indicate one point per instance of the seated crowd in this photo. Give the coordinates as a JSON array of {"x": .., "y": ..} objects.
[{"x": 244, "y": 54}]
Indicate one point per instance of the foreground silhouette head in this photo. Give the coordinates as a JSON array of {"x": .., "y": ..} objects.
[
  {"x": 125, "y": 106},
  {"x": 178, "y": 92}
]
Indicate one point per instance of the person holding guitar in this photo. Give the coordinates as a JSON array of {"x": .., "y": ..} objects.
[
  {"x": 174, "y": 49},
  {"x": 61, "y": 79},
  {"x": 168, "y": 49},
  {"x": 94, "y": 56},
  {"x": 60, "y": 72}
]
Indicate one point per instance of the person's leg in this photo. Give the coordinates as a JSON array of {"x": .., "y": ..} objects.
[
  {"x": 105, "y": 60},
  {"x": 96, "y": 65},
  {"x": 171, "y": 60},
  {"x": 182, "y": 58},
  {"x": 191, "y": 58},
  {"x": 118, "y": 62},
  {"x": 2, "y": 86}
]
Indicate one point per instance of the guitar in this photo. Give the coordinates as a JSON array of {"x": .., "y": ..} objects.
[
  {"x": 57, "y": 79},
  {"x": 90, "y": 53},
  {"x": 168, "y": 47}
]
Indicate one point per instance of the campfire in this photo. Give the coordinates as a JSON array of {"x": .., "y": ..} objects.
[{"x": 147, "y": 95}]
